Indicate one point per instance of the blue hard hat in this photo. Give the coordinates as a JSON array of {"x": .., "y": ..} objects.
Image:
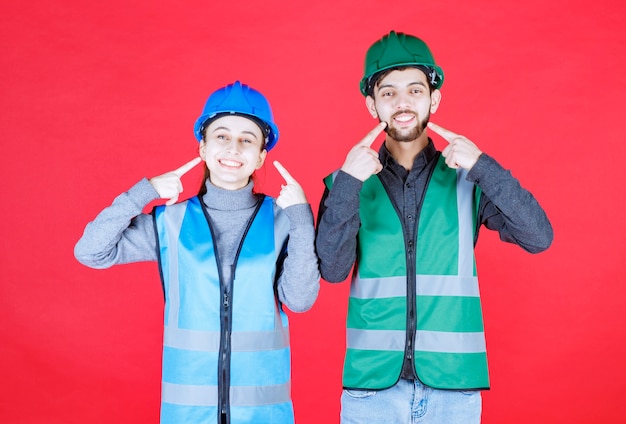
[{"x": 239, "y": 99}]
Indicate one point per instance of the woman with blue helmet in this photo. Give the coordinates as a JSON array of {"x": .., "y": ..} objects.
[{"x": 229, "y": 259}]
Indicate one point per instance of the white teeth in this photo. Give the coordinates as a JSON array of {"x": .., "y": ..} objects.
[
  {"x": 404, "y": 118},
  {"x": 229, "y": 162}
]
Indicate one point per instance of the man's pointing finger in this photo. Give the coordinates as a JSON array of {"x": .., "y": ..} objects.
[
  {"x": 371, "y": 136},
  {"x": 444, "y": 133}
]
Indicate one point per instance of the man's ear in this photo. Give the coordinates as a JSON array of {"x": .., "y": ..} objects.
[
  {"x": 371, "y": 106},
  {"x": 202, "y": 150},
  {"x": 435, "y": 100}
]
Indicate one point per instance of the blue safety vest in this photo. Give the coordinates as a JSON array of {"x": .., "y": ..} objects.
[{"x": 225, "y": 346}]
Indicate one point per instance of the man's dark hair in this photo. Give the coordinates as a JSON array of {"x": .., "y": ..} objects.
[{"x": 374, "y": 78}]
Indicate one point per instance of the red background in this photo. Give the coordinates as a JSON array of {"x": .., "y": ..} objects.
[{"x": 96, "y": 95}]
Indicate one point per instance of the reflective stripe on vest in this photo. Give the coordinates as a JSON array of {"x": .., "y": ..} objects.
[
  {"x": 259, "y": 377},
  {"x": 449, "y": 338}
]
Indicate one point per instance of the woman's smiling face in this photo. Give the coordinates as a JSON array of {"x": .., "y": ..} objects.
[{"x": 233, "y": 148}]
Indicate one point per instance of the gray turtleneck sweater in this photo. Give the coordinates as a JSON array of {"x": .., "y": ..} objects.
[{"x": 122, "y": 234}]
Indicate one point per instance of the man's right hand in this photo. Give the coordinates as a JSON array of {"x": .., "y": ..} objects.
[{"x": 362, "y": 161}]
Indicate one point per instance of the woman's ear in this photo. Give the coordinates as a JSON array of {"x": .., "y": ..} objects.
[
  {"x": 202, "y": 150},
  {"x": 261, "y": 160}
]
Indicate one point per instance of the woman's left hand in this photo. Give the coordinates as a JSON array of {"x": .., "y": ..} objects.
[{"x": 291, "y": 193}]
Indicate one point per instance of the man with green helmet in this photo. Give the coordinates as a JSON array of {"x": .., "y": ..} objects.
[{"x": 405, "y": 219}]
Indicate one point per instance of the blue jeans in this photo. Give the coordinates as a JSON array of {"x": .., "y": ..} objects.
[{"x": 410, "y": 402}]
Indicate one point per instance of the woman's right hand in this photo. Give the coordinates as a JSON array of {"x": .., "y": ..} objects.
[{"x": 169, "y": 185}]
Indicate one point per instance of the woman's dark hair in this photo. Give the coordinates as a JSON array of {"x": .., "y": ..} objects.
[{"x": 205, "y": 177}]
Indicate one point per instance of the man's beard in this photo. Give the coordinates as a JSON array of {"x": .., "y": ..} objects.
[{"x": 408, "y": 135}]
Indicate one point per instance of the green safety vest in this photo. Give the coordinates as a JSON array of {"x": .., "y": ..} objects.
[{"x": 449, "y": 351}]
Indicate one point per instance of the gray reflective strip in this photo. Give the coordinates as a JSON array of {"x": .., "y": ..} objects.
[
  {"x": 179, "y": 394},
  {"x": 427, "y": 285},
  {"x": 260, "y": 395},
  {"x": 378, "y": 288},
  {"x": 209, "y": 341},
  {"x": 465, "y": 207},
  {"x": 426, "y": 341},
  {"x": 447, "y": 285},
  {"x": 442, "y": 341},
  {"x": 375, "y": 339},
  {"x": 278, "y": 240},
  {"x": 173, "y": 219}
]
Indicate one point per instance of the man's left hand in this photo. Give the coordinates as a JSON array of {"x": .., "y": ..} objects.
[{"x": 460, "y": 151}]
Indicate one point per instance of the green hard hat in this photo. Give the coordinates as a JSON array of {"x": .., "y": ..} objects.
[{"x": 398, "y": 49}]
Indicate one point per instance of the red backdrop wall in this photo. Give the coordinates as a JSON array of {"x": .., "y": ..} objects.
[{"x": 96, "y": 95}]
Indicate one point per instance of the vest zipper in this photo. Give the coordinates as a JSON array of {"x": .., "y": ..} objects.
[
  {"x": 226, "y": 315},
  {"x": 411, "y": 277},
  {"x": 224, "y": 358},
  {"x": 411, "y": 289},
  {"x": 411, "y": 318}
]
